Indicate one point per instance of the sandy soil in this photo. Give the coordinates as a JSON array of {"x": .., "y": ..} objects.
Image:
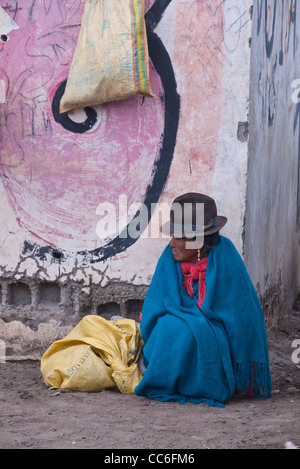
[{"x": 32, "y": 416}]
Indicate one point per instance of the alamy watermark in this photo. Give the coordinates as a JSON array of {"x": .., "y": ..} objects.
[
  {"x": 138, "y": 220},
  {"x": 296, "y": 93},
  {"x": 2, "y": 351},
  {"x": 296, "y": 353}
]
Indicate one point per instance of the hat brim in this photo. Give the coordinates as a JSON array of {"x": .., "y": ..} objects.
[{"x": 168, "y": 230}]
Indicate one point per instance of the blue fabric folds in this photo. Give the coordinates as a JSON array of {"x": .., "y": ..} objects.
[{"x": 204, "y": 356}]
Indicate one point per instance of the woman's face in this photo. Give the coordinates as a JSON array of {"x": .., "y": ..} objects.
[{"x": 181, "y": 253}]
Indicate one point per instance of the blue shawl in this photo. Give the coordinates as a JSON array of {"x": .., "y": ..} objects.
[{"x": 204, "y": 356}]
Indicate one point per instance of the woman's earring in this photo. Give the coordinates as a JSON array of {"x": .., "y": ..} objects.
[{"x": 199, "y": 254}]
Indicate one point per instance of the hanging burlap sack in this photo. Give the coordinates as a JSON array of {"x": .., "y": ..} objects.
[{"x": 111, "y": 59}]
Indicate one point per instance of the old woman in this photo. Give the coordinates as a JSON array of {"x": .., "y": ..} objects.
[{"x": 202, "y": 324}]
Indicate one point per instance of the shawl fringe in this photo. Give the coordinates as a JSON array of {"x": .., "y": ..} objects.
[{"x": 253, "y": 377}]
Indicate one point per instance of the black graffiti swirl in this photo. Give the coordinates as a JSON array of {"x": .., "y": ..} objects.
[
  {"x": 163, "y": 66},
  {"x": 65, "y": 120}
]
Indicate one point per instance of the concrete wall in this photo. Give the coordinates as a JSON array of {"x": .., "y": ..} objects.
[
  {"x": 56, "y": 171},
  {"x": 272, "y": 221}
]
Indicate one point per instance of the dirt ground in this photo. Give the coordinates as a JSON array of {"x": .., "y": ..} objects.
[{"x": 32, "y": 416}]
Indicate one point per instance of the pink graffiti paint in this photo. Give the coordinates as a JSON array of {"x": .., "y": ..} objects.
[
  {"x": 55, "y": 179},
  {"x": 199, "y": 59}
]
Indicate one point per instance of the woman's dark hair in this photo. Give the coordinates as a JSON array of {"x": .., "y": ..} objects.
[{"x": 210, "y": 241}]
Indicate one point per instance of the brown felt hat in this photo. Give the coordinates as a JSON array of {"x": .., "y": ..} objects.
[{"x": 184, "y": 224}]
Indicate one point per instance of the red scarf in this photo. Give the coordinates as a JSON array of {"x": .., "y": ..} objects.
[{"x": 195, "y": 271}]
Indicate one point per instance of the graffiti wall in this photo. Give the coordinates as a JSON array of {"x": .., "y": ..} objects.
[
  {"x": 58, "y": 172},
  {"x": 272, "y": 217}
]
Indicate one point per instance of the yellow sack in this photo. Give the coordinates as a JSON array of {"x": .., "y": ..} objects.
[
  {"x": 111, "y": 59},
  {"x": 95, "y": 355}
]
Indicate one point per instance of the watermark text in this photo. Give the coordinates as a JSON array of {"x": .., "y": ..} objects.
[
  {"x": 296, "y": 353},
  {"x": 139, "y": 220}
]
